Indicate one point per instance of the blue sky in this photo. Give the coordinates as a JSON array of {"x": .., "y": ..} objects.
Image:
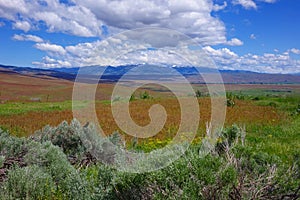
[
  {"x": 256, "y": 35},
  {"x": 275, "y": 26}
]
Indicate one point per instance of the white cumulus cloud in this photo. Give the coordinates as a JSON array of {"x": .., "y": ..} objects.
[
  {"x": 28, "y": 37},
  {"x": 247, "y": 4},
  {"x": 234, "y": 42},
  {"x": 119, "y": 51},
  {"x": 87, "y": 17},
  {"x": 250, "y": 4},
  {"x": 52, "y": 48},
  {"x": 295, "y": 51},
  {"x": 22, "y": 25},
  {"x": 267, "y": 62},
  {"x": 217, "y": 7},
  {"x": 269, "y": 1},
  {"x": 58, "y": 17},
  {"x": 48, "y": 62}
]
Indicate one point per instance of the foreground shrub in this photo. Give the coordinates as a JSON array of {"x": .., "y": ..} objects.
[
  {"x": 55, "y": 173},
  {"x": 52, "y": 160},
  {"x": 11, "y": 146},
  {"x": 28, "y": 183},
  {"x": 71, "y": 138},
  {"x": 230, "y": 170},
  {"x": 66, "y": 136}
]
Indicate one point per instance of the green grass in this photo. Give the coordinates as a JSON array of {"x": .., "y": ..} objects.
[
  {"x": 281, "y": 140},
  {"x": 285, "y": 103},
  {"x": 16, "y": 108},
  {"x": 21, "y": 108},
  {"x": 284, "y": 100},
  {"x": 268, "y": 92}
]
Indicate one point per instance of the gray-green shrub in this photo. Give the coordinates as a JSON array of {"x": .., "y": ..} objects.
[
  {"x": 11, "y": 146},
  {"x": 232, "y": 170},
  {"x": 52, "y": 160},
  {"x": 30, "y": 182}
]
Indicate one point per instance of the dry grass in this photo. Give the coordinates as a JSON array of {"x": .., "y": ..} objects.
[
  {"x": 22, "y": 88},
  {"x": 16, "y": 87},
  {"x": 242, "y": 112}
]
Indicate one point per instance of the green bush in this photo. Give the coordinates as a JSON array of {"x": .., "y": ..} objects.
[
  {"x": 11, "y": 146},
  {"x": 297, "y": 111},
  {"x": 132, "y": 97},
  {"x": 230, "y": 99},
  {"x": 28, "y": 183},
  {"x": 2, "y": 159},
  {"x": 232, "y": 170},
  {"x": 145, "y": 95},
  {"x": 198, "y": 93},
  {"x": 52, "y": 160},
  {"x": 75, "y": 141},
  {"x": 66, "y": 136}
]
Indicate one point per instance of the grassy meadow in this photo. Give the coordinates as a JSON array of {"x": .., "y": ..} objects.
[{"x": 54, "y": 160}]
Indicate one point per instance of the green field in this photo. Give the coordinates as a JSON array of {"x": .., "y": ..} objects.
[{"x": 54, "y": 164}]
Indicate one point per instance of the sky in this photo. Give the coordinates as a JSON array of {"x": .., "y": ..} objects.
[{"x": 253, "y": 35}]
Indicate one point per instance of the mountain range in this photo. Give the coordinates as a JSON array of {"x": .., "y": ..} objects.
[{"x": 111, "y": 74}]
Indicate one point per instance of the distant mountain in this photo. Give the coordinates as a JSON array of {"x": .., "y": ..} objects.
[
  {"x": 229, "y": 76},
  {"x": 121, "y": 70},
  {"x": 72, "y": 70},
  {"x": 112, "y": 74},
  {"x": 245, "y": 77},
  {"x": 35, "y": 72}
]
